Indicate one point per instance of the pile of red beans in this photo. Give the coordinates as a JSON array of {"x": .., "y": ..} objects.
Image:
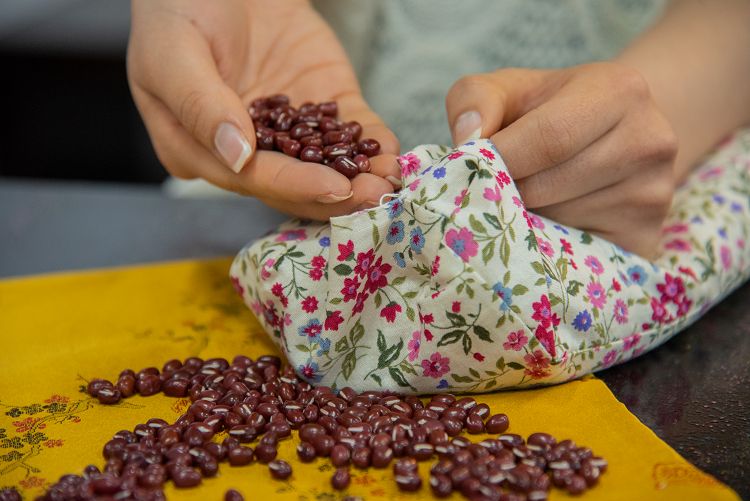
[
  {"x": 312, "y": 133},
  {"x": 258, "y": 402}
]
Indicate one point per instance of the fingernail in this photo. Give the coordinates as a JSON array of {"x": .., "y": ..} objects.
[
  {"x": 232, "y": 146},
  {"x": 394, "y": 181},
  {"x": 468, "y": 127},
  {"x": 331, "y": 198}
]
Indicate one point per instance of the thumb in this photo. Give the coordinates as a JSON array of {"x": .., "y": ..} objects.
[
  {"x": 480, "y": 105},
  {"x": 178, "y": 69}
]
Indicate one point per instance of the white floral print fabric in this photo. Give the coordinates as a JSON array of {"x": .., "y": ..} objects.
[{"x": 452, "y": 285}]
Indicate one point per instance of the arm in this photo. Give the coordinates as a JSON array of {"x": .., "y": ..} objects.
[{"x": 696, "y": 60}]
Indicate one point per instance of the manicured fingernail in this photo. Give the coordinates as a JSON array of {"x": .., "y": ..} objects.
[
  {"x": 331, "y": 198},
  {"x": 467, "y": 128},
  {"x": 394, "y": 181},
  {"x": 233, "y": 146}
]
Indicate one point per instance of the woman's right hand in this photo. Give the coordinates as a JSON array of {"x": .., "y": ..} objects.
[{"x": 194, "y": 67}]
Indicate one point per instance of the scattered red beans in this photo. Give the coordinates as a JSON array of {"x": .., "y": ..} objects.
[
  {"x": 312, "y": 133},
  {"x": 259, "y": 402}
]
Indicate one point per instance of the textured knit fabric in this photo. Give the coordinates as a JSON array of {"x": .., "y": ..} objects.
[
  {"x": 426, "y": 45},
  {"x": 454, "y": 286}
]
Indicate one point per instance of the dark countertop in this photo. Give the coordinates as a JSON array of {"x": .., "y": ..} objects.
[{"x": 693, "y": 392}]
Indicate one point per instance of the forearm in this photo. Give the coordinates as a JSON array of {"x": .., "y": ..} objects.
[{"x": 696, "y": 60}]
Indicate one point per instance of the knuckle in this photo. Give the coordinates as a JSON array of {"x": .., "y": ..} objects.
[
  {"x": 630, "y": 82},
  {"x": 465, "y": 85},
  {"x": 556, "y": 138},
  {"x": 191, "y": 111}
]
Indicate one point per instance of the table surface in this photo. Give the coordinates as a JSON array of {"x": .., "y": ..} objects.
[{"x": 693, "y": 392}]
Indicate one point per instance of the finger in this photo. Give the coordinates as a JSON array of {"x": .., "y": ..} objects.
[
  {"x": 479, "y": 105},
  {"x": 573, "y": 118},
  {"x": 268, "y": 175},
  {"x": 354, "y": 107},
  {"x": 367, "y": 192},
  {"x": 177, "y": 67}
]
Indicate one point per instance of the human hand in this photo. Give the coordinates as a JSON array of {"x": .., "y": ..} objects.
[
  {"x": 193, "y": 69},
  {"x": 587, "y": 146}
]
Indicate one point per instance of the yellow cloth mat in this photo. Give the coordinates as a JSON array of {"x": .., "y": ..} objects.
[{"x": 60, "y": 331}]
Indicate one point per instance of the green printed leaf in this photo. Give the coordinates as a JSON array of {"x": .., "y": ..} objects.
[
  {"x": 474, "y": 373},
  {"x": 476, "y": 225},
  {"x": 488, "y": 251},
  {"x": 520, "y": 290},
  {"x": 357, "y": 332},
  {"x": 586, "y": 238},
  {"x": 455, "y": 318},
  {"x": 492, "y": 220},
  {"x": 450, "y": 338},
  {"x": 515, "y": 365},
  {"x": 398, "y": 376},
  {"x": 466, "y": 344},
  {"x": 377, "y": 379},
  {"x": 482, "y": 333},
  {"x": 388, "y": 356},
  {"x": 349, "y": 364},
  {"x": 381, "y": 341},
  {"x": 461, "y": 379},
  {"x": 341, "y": 345},
  {"x": 343, "y": 269}
]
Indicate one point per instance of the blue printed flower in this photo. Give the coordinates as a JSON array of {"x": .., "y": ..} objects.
[
  {"x": 442, "y": 384},
  {"x": 324, "y": 242},
  {"x": 395, "y": 207},
  {"x": 736, "y": 207},
  {"x": 637, "y": 274},
  {"x": 439, "y": 173},
  {"x": 582, "y": 322},
  {"x": 416, "y": 240},
  {"x": 309, "y": 371},
  {"x": 719, "y": 199},
  {"x": 506, "y": 295},
  {"x": 399, "y": 258},
  {"x": 395, "y": 232},
  {"x": 311, "y": 329},
  {"x": 562, "y": 229},
  {"x": 324, "y": 346}
]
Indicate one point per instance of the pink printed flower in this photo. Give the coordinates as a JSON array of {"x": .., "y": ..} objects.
[
  {"x": 687, "y": 271},
  {"x": 436, "y": 366},
  {"x": 518, "y": 203},
  {"x": 478, "y": 357},
  {"x": 333, "y": 320},
  {"x": 414, "y": 184},
  {"x": 435, "y": 266},
  {"x": 287, "y": 319},
  {"x": 516, "y": 341},
  {"x": 596, "y": 294},
  {"x": 536, "y": 221},
  {"x": 428, "y": 334},
  {"x": 364, "y": 261},
  {"x": 537, "y": 359},
  {"x": 310, "y": 304},
  {"x": 237, "y": 287},
  {"x": 503, "y": 180},
  {"x": 53, "y": 443},
  {"x": 679, "y": 245},
  {"x": 389, "y": 312},
  {"x": 409, "y": 164},
  {"x": 456, "y": 306},
  {"x": 318, "y": 262},
  {"x": 351, "y": 286},
  {"x": 671, "y": 289},
  {"x": 676, "y": 228},
  {"x": 545, "y": 247},
  {"x": 658, "y": 312},
  {"x": 57, "y": 399},
  {"x": 256, "y": 307},
  {"x": 595, "y": 265},
  {"x": 683, "y": 307},
  {"x": 426, "y": 319},
  {"x": 32, "y": 482},
  {"x": 288, "y": 235},
  {"x": 377, "y": 276},
  {"x": 284, "y": 301},
  {"x": 573, "y": 264},
  {"x": 462, "y": 243},
  {"x": 25, "y": 425},
  {"x": 277, "y": 289},
  {"x": 458, "y": 200},
  {"x": 543, "y": 313},
  {"x": 566, "y": 247},
  {"x": 455, "y": 155},
  {"x": 487, "y": 153},
  {"x": 316, "y": 274},
  {"x": 537, "y": 373},
  {"x": 345, "y": 250},
  {"x": 621, "y": 311},
  {"x": 492, "y": 194},
  {"x": 616, "y": 285},
  {"x": 546, "y": 338},
  {"x": 726, "y": 257},
  {"x": 609, "y": 358},
  {"x": 359, "y": 304},
  {"x": 414, "y": 345},
  {"x": 631, "y": 341}
]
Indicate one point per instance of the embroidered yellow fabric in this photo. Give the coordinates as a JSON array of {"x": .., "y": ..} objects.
[{"x": 59, "y": 331}]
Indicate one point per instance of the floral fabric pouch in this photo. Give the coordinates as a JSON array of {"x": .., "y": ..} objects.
[{"x": 451, "y": 285}]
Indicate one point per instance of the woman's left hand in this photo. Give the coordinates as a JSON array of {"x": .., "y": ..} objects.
[{"x": 587, "y": 146}]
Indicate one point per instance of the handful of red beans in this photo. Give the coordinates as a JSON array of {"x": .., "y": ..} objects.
[
  {"x": 312, "y": 133},
  {"x": 260, "y": 402}
]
